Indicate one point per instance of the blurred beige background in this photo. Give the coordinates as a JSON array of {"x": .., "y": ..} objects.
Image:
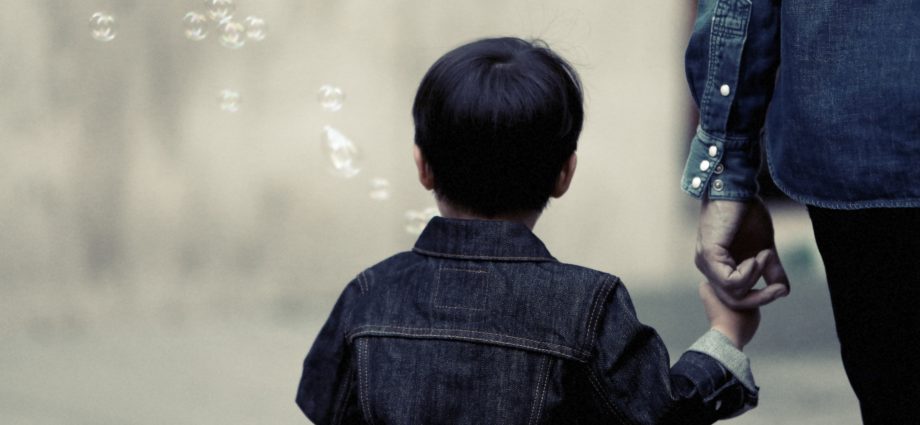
[{"x": 165, "y": 261}]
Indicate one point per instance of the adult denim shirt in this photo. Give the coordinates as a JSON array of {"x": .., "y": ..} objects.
[
  {"x": 479, "y": 324},
  {"x": 832, "y": 89}
]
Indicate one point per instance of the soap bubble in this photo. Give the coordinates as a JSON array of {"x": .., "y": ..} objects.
[
  {"x": 255, "y": 28},
  {"x": 229, "y": 100},
  {"x": 417, "y": 220},
  {"x": 196, "y": 26},
  {"x": 331, "y": 98},
  {"x": 219, "y": 10},
  {"x": 343, "y": 155},
  {"x": 380, "y": 189},
  {"x": 102, "y": 26},
  {"x": 232, "y": 34}
]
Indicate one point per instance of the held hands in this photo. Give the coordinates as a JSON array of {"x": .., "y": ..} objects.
[
  {"x": 734, "y": 249},
  {"x": 738, "y": 325}
]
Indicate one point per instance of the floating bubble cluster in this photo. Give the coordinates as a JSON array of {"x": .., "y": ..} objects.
[
  {"x": 417, "y": 220},
  {"x": 229, "y": 100},
  {"x": 343, "y": 154},
  {"x": 232, "y": 34},
  {"x": 331, "y": 98},
  {"x": 255, "y": 28},
  {"x": 102, "y": 27},
  {"x": 196, "y": 26},
  {"x": 219, "y": 16},
  {"x": 380, "y": 189},
  {"x": 218, "y": 10}
]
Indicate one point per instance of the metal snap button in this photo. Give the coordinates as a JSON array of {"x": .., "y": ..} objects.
[
  {"x": 718, "y": 185},
  {"x": 696, "y": 182},
  {"x": 704, "y": 166},
  {"x": 725, "y": 90}
]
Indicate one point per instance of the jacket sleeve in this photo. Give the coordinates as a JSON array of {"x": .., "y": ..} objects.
[
  {"x": 632, "y": 372},
  {"x": 326, "y": 385},
  {"x": 731, "y": 62}
]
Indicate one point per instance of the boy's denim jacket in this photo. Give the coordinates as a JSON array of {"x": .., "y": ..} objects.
[{"x": 480, "y": 325}]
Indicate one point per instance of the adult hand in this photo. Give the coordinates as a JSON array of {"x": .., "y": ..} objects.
[{"x": 734, "y": 248}]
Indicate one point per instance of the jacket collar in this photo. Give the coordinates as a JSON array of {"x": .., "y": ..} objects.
[{"x": 490, "y": 240}]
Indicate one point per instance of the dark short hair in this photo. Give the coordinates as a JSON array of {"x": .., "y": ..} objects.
[{"x": 496, "y": 119}]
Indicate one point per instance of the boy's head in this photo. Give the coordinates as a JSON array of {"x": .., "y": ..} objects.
[{"x": 497, "y": 120}]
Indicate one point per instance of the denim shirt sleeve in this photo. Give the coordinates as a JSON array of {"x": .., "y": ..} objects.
[
  {"x": 325, "y": 389},
  {"x": 731, "y": 63},
  {"x": 632, "y": 372}
]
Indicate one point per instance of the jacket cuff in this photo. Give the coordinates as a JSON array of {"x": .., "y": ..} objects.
[
  {"x": 722, "y": 168},
  {"x": 721, "y": 393},
  {"x": 719, "y": 347}
]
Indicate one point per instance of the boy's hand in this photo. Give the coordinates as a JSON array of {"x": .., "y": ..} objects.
[{"x": 738, "y": 325}]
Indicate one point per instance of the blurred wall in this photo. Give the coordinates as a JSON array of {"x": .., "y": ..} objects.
[
  {"x": 126, "y": 189},
  {"x": 163, "y": 260}
]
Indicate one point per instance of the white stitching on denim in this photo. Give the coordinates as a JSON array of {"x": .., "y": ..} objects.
[
  {"x": 383, "y": 328},
  {"x": 589, "y": 331},
  {"x": 549, "y": 369},
  {"x": 365, "y": 402},
  {"x": 600, "y": 310},
  {"x": 579, "y": 357},
  {"x": 437, "y": 288},
  {"x": 710, "y": 78},
  {"x": 536, "y": 391},
  {"x": 537, "y": 408},
  {"x": 464, "y": 270},
  {"x": 460, "y": 308},
  {"x": 588, "y": 321}
]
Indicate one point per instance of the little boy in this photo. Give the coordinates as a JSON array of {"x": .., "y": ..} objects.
[{"x": 479, "y": 324}]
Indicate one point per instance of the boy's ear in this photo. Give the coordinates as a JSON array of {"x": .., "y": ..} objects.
[
  {"x": 565, "y": 176},
  {"x": 425, "y": 176}
]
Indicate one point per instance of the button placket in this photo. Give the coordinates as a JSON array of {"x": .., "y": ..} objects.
[
  {"x": 706, "y": 155},
  {"x": 711, "y": 165}
]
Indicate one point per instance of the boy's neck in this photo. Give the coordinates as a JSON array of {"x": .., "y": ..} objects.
[{"x": 449, "y": 211}]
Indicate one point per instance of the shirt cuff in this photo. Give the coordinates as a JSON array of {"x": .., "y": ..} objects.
[
  {"x": 722, "y": 168},
  {"x": 719, "y": 347}
]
